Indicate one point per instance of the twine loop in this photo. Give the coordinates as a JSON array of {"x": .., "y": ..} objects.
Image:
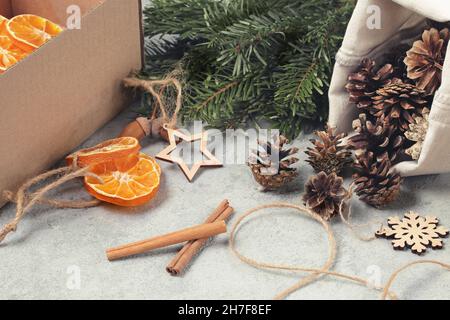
[
  {"x": 25, "y": 201},
  {"x": 157, "y": 89},
  {"x": 316, "y": 273}
]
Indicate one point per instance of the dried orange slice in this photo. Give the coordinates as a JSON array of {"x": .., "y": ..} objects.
[
  {"x": 130, "y": 188},
  {"x": 9, "y": 54},
  {"x": 3, "y": 22},
  {"x": 30, "y": 31},
  {"x": 106, "y": 151}
]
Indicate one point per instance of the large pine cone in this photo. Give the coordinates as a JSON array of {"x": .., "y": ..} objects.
[
  {"x": 324, "y": 194},
  {"x": 367, "y": 80},
  {"x": 374, "y": 184},
  {"x": 426, "y": 58},
  {"x": 397, "y": 101},
  {"x": 377, "y": 136},
  {"x": 271, "y": 164},
  {"x": 329, "y": 153}
]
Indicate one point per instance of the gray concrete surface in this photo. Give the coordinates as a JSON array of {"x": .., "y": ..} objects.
[{"x": 38, "y": 261}]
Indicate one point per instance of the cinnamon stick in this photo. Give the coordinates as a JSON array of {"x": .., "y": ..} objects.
[
  {"x": 191, "y": 248},
  {"x": 198, "y": 232}
]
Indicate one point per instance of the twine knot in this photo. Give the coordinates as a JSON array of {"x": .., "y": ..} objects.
[{"x": 156, "y": 89}]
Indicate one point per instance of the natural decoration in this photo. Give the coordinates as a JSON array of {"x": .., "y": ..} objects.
[
  {"x": 417, "y": 133},
  {"x": 114, "y": 171},
  {"x": 201, "y": 231},
  {"x": 243, "y": 61},
  {"x": 271, "y": 163},
  {"x": 191, "y": 248},
  {"x": 19, "y": 37},
  {"x": 324, "y": 194},
  {"x": 375, "y": 185},
  {"x": 167, "y": 96},
  {"x": 190, "y": 173},
  {"x": 426, "y": 59},
  {"x": 127, "y": 182},
  {"x": 313, "y": 274},
  {"x": 329, "y": 153},
  {"x": 394, "y": 102},
  {"x": 415, "y": 232},
  {"x": 397, "y": 101},
  {"x": 366, "y": 80},
  {"x": 105, "y": 151},
  {"x": 121, "y": 174},
  {"x": 379, "y": 136}
]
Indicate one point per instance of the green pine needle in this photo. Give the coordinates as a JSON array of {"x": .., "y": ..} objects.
[{"x": 248, "y": 60}]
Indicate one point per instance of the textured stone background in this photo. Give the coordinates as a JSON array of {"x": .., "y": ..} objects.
[{"x": 34, "y": 261}]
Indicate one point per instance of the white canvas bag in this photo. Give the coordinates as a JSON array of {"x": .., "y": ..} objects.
[{"x": 400, "y": 20}]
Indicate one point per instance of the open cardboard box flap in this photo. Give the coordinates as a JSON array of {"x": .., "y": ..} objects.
[{"x": 58, "y": 96}]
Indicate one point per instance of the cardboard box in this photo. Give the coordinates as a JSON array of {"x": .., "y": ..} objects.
[
  {"x": 62, "y": 93},
  {"x": 5, "y": 7}
]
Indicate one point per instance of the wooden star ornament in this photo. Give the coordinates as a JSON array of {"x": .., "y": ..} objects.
[
  {"x": 190, "y": 173},
  {"x": 415, "y": 232}
]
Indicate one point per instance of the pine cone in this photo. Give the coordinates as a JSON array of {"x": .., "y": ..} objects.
[
  {"x": 417, "y": 133},
  {"x": 274, "y": 173},
  {"x": 378, "y": 136},
  {"x": 324, "y": 194},
  {"x": 397, "y": 101},
  {"x": 329, "y": 154},
  {"x": 374, "y": 184},
  {"x": 366, "y": 80},
  {"x": 426, "y": 58}
]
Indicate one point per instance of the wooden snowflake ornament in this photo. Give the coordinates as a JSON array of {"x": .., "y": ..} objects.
[{"x": 415, "y": 232}]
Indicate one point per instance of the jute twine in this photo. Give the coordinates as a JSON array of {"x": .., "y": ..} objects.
[
  {"x": 316, "y": 273},
  {"x": 25, "y": 200},
  {"x": 157, "y": 88}
]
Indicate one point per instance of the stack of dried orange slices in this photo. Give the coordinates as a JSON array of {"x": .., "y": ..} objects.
[
  {"x": 21, "y": 35},
  {"x": 128, "y": 178}
]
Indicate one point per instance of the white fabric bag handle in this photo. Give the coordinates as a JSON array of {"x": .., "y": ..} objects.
[{"x": 400, "y": 20}]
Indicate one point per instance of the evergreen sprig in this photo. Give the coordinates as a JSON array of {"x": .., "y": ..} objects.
[{"x": 248, "y": 60}]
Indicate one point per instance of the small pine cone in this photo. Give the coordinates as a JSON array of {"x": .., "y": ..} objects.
[
  {"x": 417, "y": 133},
  {"x": 271, "y": 164},
  {"x": 366, "y": 80},
  {"x": 374, "y": 184},
  {"x": 324, "y": 194},
  {"x": 329, "y": 153},
  {"x": 398, "y": 102},
  {"x": 378, "y": 136},
  {"x": 426, "y": 58}
]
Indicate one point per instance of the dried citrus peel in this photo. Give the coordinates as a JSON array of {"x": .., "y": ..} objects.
[
  {"x": 30, "y": 31},
  {"x": 130, "y": 188},
  {"x": 107, "y": 151}
]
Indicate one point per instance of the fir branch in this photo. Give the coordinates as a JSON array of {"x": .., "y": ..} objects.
[{"x": 249, "y": 60}]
